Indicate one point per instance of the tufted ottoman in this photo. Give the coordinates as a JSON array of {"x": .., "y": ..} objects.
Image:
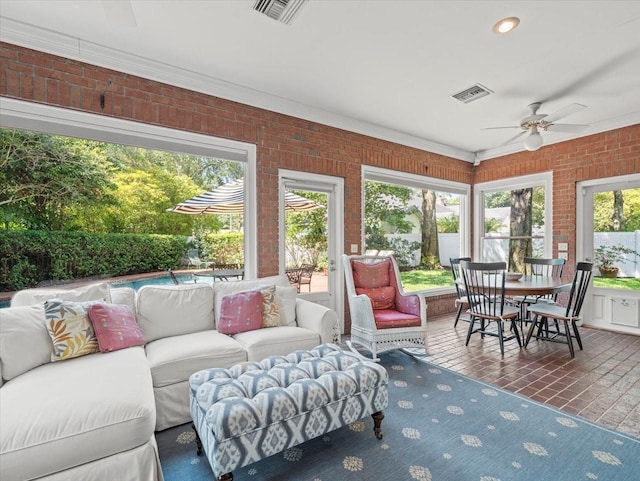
[{"x": 256, "y": 409}]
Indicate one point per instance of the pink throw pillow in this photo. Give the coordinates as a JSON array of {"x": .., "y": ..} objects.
[
  {"x": 241, "y": 312},
  {"x": 115, "y": 327},
  {"x": 368, "y": 276},
  {"x": 381, "y": 297}
]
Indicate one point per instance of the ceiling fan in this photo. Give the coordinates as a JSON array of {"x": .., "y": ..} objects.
[
  {"x": 119, "y": 12},
  {"x": 535, "y": 122}
]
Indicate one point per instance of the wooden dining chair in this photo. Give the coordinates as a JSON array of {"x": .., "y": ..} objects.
[
  {"x": 306, "y": 275},
  {"x": 484, "y": 286},
  {"x": 461, "y": 302},
  {"x": 567, "y": 316}
]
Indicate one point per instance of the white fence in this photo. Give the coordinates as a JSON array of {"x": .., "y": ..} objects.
[{"x": 498, "y": 249}]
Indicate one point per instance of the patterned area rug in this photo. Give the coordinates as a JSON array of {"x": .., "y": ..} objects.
[{"x": 439, "y": 426}]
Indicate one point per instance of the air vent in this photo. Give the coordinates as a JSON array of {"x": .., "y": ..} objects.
[
  {"x": 280, "y": 10},
  {"x": 472, "y": 93}
]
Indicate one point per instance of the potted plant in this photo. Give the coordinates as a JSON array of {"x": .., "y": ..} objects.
[{"x": 606, "y": 256}]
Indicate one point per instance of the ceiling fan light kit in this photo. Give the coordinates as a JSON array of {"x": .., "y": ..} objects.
[{"x": 534, "y": 141}]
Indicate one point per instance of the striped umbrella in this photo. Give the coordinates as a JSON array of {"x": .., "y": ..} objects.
[{"x": 229, "y": 199}]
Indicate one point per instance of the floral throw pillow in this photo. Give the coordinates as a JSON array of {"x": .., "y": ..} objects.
[
  {"x": 270, "y": 309},
  {"x": 70, "y": 329},
  {"x": 115, "y": 327}
]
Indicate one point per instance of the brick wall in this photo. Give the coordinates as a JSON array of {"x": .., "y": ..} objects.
[{"x": 291, "y": 143}]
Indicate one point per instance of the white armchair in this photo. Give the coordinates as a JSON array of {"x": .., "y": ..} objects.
[{"x": 383, "y": 316}]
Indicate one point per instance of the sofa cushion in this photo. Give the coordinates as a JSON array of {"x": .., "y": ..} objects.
[
  {"x": 125, "y": 296},
  {"x": 174, "y": 359},
  {"x": 381, "y": 297},
  {"x": 115, "y": 327},
  {"x": 24, "y": 340},
  {"x": 165, "y": 311},
  {"x": 70, "y": 329},
  {"x": 369, "y": 275},
  {"x": 70, "y": 413},
  {"x": 276, "y": 341},
  {"x": 241, "y": 312},
  {"x": 91, "y": 292},
  {"x": 388, "y": 318}
]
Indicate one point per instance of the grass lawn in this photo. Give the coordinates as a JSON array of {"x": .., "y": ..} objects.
[
  {"x": 419, "y": 279},
  {"x": 629, "y": 283}
]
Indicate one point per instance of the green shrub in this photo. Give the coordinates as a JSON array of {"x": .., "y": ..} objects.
[
  {"x": 227, "y": 248},
  {"x": 31, "y": 257}
]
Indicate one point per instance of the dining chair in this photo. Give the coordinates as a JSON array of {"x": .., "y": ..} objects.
[
  {"x": 461, "y": 302},
  {"x": 294, "y": 274},
  {"x": 484, "y": 286},
  {"x": 567, "y": 316}
]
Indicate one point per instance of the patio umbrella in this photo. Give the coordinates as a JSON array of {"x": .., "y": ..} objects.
[{"x": 229, "y": 199}]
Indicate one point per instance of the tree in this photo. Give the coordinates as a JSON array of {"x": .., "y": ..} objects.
[
  {"x": 307, "y": 232},
  {"x": 385, "y": 210},
  {"x": 604, "y": 215},
  {"x": 43, "y": 178},
  {"x": 429, "y": 255},
  {"x": 618, "y": 211},
  {"x": 520, "y": 227}
]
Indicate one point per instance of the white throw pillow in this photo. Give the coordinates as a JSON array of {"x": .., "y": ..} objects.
[
  {"x": 286, "y": 297},
  {"x": 165, "y": 311},
  {"x": 24, "y": 340},
  {"x": 91, "y": 292}
]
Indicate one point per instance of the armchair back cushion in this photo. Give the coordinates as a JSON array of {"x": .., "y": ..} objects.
[
  {"x": 381, "y": 297},
  {"x": 371, "y": 275}
]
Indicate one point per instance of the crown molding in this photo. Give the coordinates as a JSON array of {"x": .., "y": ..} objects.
[{"x": 36, "y": 38}]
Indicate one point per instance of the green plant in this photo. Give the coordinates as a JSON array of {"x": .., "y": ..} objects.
[{"x": 607, "y": 256}]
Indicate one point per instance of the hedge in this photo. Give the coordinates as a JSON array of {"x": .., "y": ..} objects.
[{"x": 28, "y": 258}]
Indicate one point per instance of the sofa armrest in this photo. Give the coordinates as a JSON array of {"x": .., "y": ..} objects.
[{"x": 317, "y": 318}]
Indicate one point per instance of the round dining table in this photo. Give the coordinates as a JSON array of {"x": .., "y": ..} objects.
[{"x": 536, "y": 286}]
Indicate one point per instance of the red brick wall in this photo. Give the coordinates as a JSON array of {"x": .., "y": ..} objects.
[
  {"x": 291, "y": 143},
  {"x": 607, "y": 154}
]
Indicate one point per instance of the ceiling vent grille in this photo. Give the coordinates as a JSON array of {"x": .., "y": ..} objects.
[
  {"x": 472, "y": 93},
  {"x": 280, "y": 10}
]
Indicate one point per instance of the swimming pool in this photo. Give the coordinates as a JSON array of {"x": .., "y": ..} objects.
[{"x": 163, "y": 280}]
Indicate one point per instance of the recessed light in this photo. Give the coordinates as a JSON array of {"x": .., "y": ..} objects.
[{"x": 506, "y": 25}]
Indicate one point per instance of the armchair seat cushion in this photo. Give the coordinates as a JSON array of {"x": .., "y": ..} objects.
[{"x": 388, "y": 318}]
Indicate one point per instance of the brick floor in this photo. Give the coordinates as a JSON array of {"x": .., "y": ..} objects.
[{"x": 602, "y": 382}]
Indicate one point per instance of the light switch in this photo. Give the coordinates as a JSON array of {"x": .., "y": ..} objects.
[
  {"x": 563, "y": 246},
  {"x": 563, "y": 255},
  {"x": 354, "y": 248}
]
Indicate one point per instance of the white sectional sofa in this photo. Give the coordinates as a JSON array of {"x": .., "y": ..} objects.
[{"x": 93, "y": 417}]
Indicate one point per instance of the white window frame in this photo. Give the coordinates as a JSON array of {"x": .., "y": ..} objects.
[
  {"x": 544, "y": 179},
  {"x": 388, "y": 176},
  {"x": 18, "y": 114}
]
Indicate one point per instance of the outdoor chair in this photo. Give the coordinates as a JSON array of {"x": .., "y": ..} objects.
[
  {"x": 195, "y": 261},
  {"x": 568, "y": 315},
  {"x": 383, "y": 316},
  {"x": 461, "y": 302},
  {"x": 305, "y": 276},
  {"x": 294, "y": 274},
  {"x": 484, "y": 285}
]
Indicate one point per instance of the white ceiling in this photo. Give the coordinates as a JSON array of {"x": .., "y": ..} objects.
[{"x": 382, "y": 68}]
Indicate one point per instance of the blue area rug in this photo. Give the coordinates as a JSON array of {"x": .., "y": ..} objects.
[{"x": 439, "y": 426}]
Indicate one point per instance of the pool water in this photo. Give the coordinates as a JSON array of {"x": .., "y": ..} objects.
[{"x": 164, "y": 280}]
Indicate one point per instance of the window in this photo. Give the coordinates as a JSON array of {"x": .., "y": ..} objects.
[
  {"x": 514, "y": 219},
  {"x": 422, "y": 220}
]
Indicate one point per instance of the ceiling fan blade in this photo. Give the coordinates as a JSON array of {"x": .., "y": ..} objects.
[
  {"x": 564, "y": 112},
  {"x": 120, "y": 12},
  {"x": 515, "y": 137},
  {"x": 569, "y": 128},
  {"x": 509, "y": 127}
]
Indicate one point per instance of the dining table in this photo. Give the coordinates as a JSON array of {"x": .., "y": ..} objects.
[
  {"x": 533, "y": 285},
  {"x": 221, "y": 274}
]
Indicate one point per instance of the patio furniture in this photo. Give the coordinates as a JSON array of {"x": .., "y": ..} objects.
[
  {"x": 568, "y": 315},
  {"x": 383, "y": 316},
  {"x": 485, "y": 287},
  {"x": 306, "y": 272},
  {"x": 256, "y": 409},
  {"x": 195, "y": 261},
  {"x": 294, "y": 274}
]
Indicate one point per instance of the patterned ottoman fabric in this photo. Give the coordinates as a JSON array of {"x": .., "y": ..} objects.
[{"x": 256, "y": 409}]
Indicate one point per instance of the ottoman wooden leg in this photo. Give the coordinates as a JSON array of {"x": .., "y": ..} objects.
[
  {"x": 377, "y": 422},
  {"x": 199, "y": 451},
  {"x": 226, "y": 477}
]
